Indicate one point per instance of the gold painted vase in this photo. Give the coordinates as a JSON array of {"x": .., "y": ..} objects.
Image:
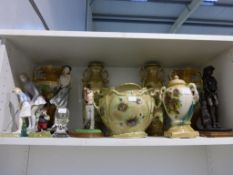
[
  {"x": 152, "y": 77},
  {"x": 47, "y": 79},
  {"x": 179, "y": 100},
  {"x": 127, "y": 110}
]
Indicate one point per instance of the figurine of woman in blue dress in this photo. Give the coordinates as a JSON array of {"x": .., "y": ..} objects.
[{"x": 25, "y": 108}]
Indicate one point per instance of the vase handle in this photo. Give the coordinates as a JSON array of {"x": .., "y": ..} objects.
[{"x": 193, "y": 88}]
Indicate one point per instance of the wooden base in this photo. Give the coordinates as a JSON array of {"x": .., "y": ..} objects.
[
  {"x": 216, "y": 133},
  {"x": 86, "y": 133}
]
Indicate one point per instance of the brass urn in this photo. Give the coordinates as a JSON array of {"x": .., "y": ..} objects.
[{"x": 152, "y": 77}]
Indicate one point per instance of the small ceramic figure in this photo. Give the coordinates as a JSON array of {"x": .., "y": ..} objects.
[
  {"x": 89, "y": 122},
  {"x": 43, "y": 120},
  {"x": 60, "y": 100},
  {"x": 25, "y": 108},
  {"x": 179, "y": 100},
  {"x": 37, "y": 101},
  {"x": 60, "y": 123}
]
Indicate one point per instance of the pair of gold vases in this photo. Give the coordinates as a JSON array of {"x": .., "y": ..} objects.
[{"x": 129, "y": 109}]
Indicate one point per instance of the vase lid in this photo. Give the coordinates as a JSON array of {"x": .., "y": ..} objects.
[{"x": 176, "y": 81}]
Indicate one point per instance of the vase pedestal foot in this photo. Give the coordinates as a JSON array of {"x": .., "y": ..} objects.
[
  {"x": 87, "y": 133},
  {"x": 139, "y": 134},
  {"x": 182, "y": 131}
]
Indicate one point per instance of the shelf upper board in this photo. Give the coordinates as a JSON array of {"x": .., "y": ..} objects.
[
  {"x": 149, "y": 141},
  {"x": 117, "y": 49}
]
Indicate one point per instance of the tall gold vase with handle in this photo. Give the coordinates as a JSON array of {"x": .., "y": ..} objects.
[{"x": 152, "y": 77}]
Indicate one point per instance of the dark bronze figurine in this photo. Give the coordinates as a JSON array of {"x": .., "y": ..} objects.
[{"x": 209, "y": 102}]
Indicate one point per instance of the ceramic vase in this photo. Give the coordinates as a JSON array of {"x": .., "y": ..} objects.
[
  {"x": 179, "y": 101},
  {"x": 127, "y": 110}
]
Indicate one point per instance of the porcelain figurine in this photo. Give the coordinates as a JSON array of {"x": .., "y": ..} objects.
[
  {"x": 24, "y": 111},
  {"x": 43, "y": 119},
  {"x": 90, "y": 129},
  {"x": 36, "y": 102},
  {"x": 89, "y": 113},
  {"x": 152, "y": 77},
  {"x": 127, "y": 110},
  {"x": 60, "y": 100},
  {"x": 61, "y": 97},
  {"x": 179, "y": 100},
  {"x": 95, "y": 78}
]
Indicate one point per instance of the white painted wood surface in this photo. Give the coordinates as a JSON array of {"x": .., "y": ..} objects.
[
  {"x": 118, "y": 49},
  {"x": 113, "y": 142}
]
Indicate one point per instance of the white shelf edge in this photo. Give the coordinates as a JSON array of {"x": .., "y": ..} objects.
[
  {"x": 149, "y": 141},
  {"x": 122, "y": 35}
]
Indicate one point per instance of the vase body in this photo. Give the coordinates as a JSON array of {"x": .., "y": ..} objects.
[
  {"x": 179, "y": 101},
  {"x": 191, "y": 75},
  {"x": 127, "y": 110},
  {"x": 47, "y": 79}
]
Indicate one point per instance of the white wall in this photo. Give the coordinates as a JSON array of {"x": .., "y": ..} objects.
[
  {"x": 18, "y": 14},
  {"x": 63, "y": 14},
  {"x": 58, "y": 14}
]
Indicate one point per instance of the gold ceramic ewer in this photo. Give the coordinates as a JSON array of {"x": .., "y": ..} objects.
[
  {"x": 127, "y": 110},
  {"x": 152, "y": 77}
]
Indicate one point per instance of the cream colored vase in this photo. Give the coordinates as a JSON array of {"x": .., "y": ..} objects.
[
  {"x": 179, "y": 101},
  {"x": 127, "y": 110}
]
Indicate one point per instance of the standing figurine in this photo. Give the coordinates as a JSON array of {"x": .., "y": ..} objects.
[
  {"x": 25, "y": 108},
  {"x": 60, "y": 100},
  {"x": 89, "y": 122},
  {"x": 209, "y": 102},
  {"x": 37, "y": 101}
]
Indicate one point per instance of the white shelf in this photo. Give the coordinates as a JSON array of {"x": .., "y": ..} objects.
[
  {"x": 150, "y": 141},
  {"x": 117, "y": 49}
]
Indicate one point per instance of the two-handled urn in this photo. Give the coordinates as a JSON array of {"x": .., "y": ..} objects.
[
  {"x": 179, "y": 100},
  {"x": 127, "y": 110}
]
